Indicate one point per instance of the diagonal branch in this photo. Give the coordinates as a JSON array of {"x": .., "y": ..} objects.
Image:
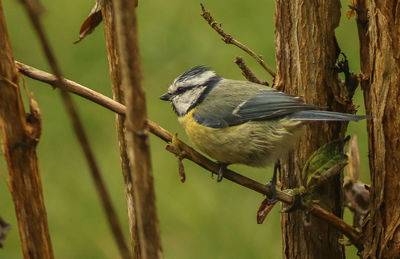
[
  {"x": 228, "y": 39},
  {"x": 190, "y": 153},
  {"x": 79, "y": 131},
  {"x": 247, "y": 73}
]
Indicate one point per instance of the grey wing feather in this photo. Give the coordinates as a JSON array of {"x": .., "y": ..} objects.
[
  {"x": 269, "y": 104},
  {"x": 315, "y": 115}
]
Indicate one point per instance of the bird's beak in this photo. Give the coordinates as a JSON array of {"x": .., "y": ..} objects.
[{"x": 166, "y": 97}]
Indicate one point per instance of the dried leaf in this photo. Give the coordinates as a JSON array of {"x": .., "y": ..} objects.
[
  {"x": 181, "y": 170},
  {"x": 4, "y": 228},
  {"x": 353, "y": 170},
  {"x": 350, "y": 14},
  {"x": 265, "y": 208},
  {"x": 175, "y": 148},
  {"x": 357, "y": 198},
  {"x": 91, "y": 22}
]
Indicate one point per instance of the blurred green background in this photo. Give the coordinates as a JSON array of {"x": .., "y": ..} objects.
[{"x": 199, "y": 219}]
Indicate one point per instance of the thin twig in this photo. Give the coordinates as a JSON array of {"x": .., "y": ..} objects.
[
  {"x": 353, "y": 235},
  {"x": 228, "y": 39},
  {"x": 247, "y": 73},
  {"x": 190, "y": 153},
  {"x": 80, "y": 133}
]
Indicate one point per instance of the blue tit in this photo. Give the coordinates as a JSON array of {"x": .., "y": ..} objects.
[{"x": 239, "y": 122}]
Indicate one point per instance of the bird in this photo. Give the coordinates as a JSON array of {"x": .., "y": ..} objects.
[{"x": 240, "y": 122}]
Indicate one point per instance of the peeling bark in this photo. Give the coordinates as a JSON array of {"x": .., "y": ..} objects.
[
  {"x": 20, "y": 134},
  {"x": 380, "y": 63}
]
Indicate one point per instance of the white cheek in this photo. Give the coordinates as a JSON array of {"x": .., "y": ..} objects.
[{"x": 184, "y": 101}]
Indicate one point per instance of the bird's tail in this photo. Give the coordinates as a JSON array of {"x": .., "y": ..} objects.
[{"x": 316, "y": 115}]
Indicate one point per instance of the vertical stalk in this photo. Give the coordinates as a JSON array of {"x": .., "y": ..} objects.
[
  {"x": 19, "y": 137},
  {"x": 114, "y": 64},
  {"x": 137, "y": 129},
  {"x": 380, "y": 54}
]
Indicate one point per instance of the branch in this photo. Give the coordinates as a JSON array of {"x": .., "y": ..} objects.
[
  {"x": 353, "y": 235},
  {"x": 228, "y": 39},
  {"x": 79, "y": 131},
  {"x": 190, "y": 153},
  {"x": 247, "y": 73}
]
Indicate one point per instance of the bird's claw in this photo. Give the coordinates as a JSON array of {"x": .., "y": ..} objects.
[
  {"x": 273, "y": 197},
  {"x": 272, "y": 184}
]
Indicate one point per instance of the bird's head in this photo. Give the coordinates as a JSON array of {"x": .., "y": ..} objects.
[{"x": 190, "y": 88}]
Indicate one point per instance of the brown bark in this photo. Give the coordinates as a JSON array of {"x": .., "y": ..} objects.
[
  {"x": 19, "y": 137},
  {"x": 380, "y": 63},
  {"x": 306, "y": 54},
  {"x": 137, "y": 129},
  {"x": 118, "y": 95}
]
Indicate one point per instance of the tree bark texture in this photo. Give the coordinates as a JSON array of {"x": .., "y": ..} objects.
[
  {"x": 380, "y": 64},
  {"x": 306, "y": 52},
  {"x": 118, "y": 95},
  {"x": 137, "y": 129},
  {"x": 20, "y": 134}
]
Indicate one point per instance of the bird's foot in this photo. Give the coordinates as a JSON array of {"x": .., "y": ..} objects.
[
  {"x": 273, "y": 197},
  {"x": 272, "y": 184}
]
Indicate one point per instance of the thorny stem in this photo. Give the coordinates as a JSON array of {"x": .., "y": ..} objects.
[{"x": 191, "y": 154}]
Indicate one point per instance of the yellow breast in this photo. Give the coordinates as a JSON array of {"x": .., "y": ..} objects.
[{"x": 255, "y": 143}]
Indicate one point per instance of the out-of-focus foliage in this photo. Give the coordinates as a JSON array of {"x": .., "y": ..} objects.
[{"x": 200, "y": 218}]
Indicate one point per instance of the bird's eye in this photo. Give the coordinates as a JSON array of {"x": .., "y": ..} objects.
[{"x": 180, "y": 89}]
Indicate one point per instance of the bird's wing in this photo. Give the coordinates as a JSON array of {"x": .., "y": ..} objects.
[
  {"x": 236, "y": 102},
  {"x": 267, "y": 105}
]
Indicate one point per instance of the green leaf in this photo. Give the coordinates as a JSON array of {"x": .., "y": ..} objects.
[{"x": 323, "y": 163}]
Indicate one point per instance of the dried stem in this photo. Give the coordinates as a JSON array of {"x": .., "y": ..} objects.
[
  {"x": 19, "y": 137},
  {"x": 190, "y": 153},
  {"x": 108, "y": 14},
  {"x": 80, "y": 133},
  {"x": 137, "y": 129},
  {"x": 228, "y": 39}
]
